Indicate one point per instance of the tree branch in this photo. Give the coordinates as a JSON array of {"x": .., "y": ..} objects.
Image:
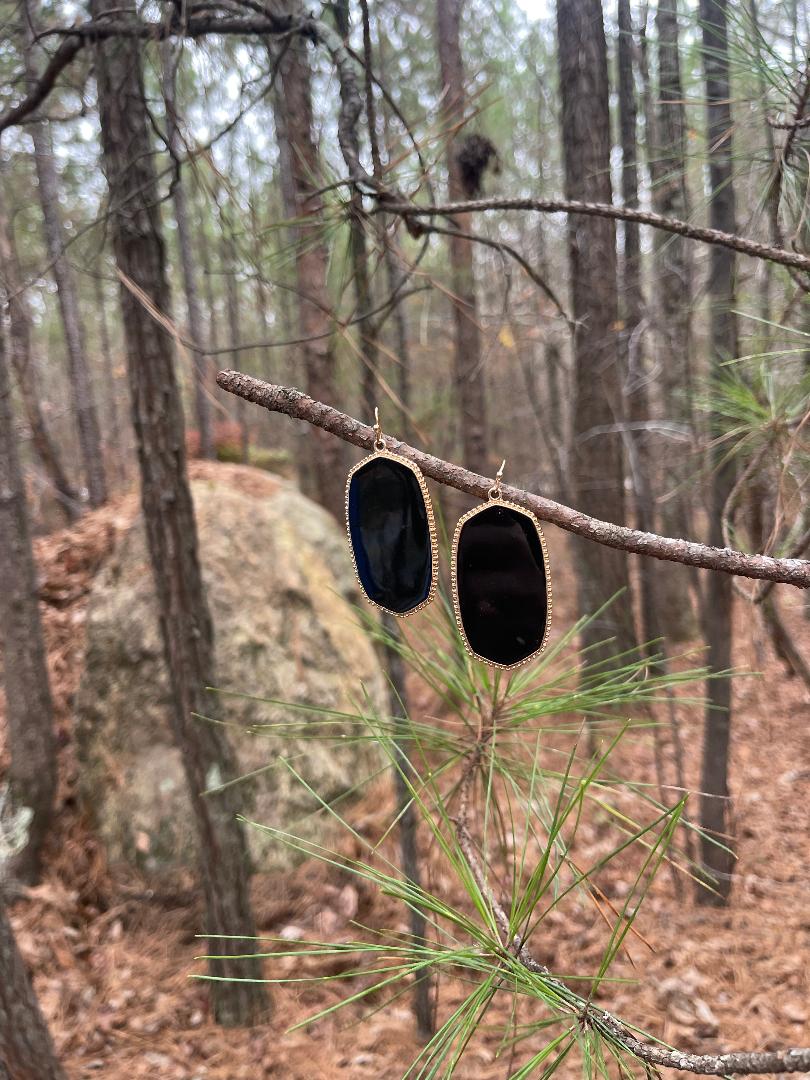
[
  {"x": 743, "y": 1063},
  {"x": 44, "y": 84},
  {"x": 741, "y": 244},
  {"x": 295, "y": 404}
]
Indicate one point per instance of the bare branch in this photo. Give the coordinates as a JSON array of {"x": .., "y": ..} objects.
[
  {"x": 44, "y": 84},
  {"x": 507, "y": 249},
  {"x": 741, "y": 244},
  {"x": 294, "y": 403}
]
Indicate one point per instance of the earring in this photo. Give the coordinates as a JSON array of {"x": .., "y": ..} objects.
[
  {"x": 392, "y": 532},
  {"x": 501, "y": 581}
]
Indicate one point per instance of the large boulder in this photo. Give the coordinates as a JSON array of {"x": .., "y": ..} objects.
[{"x": 282, "y": 593}]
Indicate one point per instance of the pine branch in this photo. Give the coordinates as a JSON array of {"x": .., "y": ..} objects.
[
  {"x": 741, "y": 1062},
  {"x": 295, "y": 404}
]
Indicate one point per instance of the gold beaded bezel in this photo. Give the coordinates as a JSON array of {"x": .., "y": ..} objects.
[
  {"x": 434, "y": 540},
  {"x": 493, "y": 501}
]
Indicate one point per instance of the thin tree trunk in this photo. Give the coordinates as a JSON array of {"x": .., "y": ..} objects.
[
  {"x": 422, "y": 1007},
  {"x": 264, "y": 357},
  {"x": 210, "y": 298},
  {"x": 81, "y": 387},
  {"x": 22, "y": 361},
  {"x": 229, "y": 265},
  {"x": 26, "y": 1048},
  {"x": 171, "y": 530},
  {"x": 394, "y": 277},
  {"x": 636, "y": 379},
  {"x": 393, "y": 271},
  {"x": 718, "y": 863},
  {"x": 639, "y": 456},
  {"x": 29, "y": 710},
  {"x": 408, "y": 828},
  {"x": 202, "y": 410},
  {"x": 300, "y": 170},
  {"x": 673, "y": 295},
  {"x": 108, "y": 361},
  {"x": 468, "y": 363},
  {"x": 596, "y": 457}
]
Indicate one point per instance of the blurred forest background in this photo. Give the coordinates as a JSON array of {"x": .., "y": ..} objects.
[{"x": 612, "y": 294}]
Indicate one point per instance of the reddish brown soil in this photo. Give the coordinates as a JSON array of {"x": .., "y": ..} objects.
[{"x": 111, "y": 957}]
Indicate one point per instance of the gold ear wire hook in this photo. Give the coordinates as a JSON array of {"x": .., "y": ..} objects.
[
  {"x": 495, "y": 490},
  {"x": 379, "y": 442}
]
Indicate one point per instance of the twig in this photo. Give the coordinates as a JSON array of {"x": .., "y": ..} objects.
[
  {"x": 299, "y": 406},
  {"x": 507, "y": 249}
]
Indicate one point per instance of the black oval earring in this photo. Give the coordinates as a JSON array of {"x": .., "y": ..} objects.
[
  {"x": 501, "y": 582},
  {"x": 392, "y": 532}
]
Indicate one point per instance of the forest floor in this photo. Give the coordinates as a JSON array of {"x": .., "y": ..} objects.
[{"x": 111, "y": 956}]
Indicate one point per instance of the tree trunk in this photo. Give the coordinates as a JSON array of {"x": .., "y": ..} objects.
[
  {"x": 718, "y": 863},
  {"x": 29, "y": 710},
  {"x": 596, "y": 457},
  {"x": 636, "y": 378},
  {"x": 673, "y": 294},
  {"x": 81, "y": 388},
  {"x": 300, "y": 170},
  {"x": 264, "y": 356},
  {"x": 171, "y": 531},
  {"x": 394, "y": 272},
  {"x": 202, "y": 410},
  {"x": 22, "y": 361},
  {"x": 468, "y": 365},
  {"x": 228, "y": 248},
  {"x": 26, "y": 1049},
  {"x": 116, "y": 441}
]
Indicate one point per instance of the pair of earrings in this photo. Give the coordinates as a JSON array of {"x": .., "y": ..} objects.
[{"x": 499, "y": 571}]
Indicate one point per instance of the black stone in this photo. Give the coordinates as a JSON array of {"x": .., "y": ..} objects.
[
  {"x": 501, "y": 585},
  {"x": 390, "y": 535}
]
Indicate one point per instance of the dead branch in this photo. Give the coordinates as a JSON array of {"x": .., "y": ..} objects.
[
  {"x": 742, "y": 244},
  {"x": 295, "y": 404},
  {"x": 513, "y": 253},
  {"x": 63, "y": 56}
]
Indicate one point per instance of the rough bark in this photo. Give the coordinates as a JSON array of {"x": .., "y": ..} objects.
[
  {"x": 202, "y": 409},
  {"x": 26, "y": 1049},
  {"x": 81, "y": 387},
  {"x": 22, "y": 362},
  {"x": 468, "y": 369},
  {"x": 300, "y": 170},
  {"x": 596, "y": 456},
  {"x": 31, "y": 774},
  {"x": 718, "y": 862},
  {"x": 673, "y": 295},
  {"x": 185, "y": 619}
]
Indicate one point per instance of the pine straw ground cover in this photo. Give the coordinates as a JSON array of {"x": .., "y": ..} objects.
[{"x": 111, "y": 957}]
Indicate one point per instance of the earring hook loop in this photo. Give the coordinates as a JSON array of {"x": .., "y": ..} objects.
[
  {"x": 379, "y": 441},
  {"x": 495, "y": 490}
]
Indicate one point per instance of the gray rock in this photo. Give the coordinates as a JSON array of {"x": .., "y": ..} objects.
[{"x": 281, "y": 589}]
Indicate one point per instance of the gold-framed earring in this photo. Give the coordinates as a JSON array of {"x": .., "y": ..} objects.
[
  {"x": 391, "y": 530},
  {"x": 501, "y": 582}
]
